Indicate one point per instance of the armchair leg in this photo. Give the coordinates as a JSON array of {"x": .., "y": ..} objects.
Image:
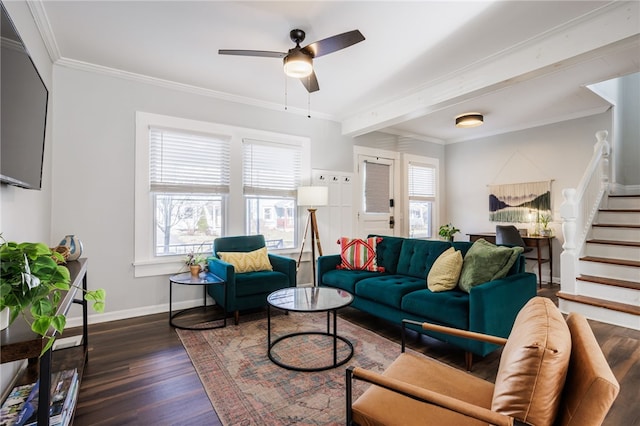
[
  {"x": 468, "y": 360},
  {"x": 349, "y": 390},
  {"x": 236, "y": 317}
]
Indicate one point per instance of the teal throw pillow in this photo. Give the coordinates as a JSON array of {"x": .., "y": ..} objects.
[{"x": 486, "y": 262}]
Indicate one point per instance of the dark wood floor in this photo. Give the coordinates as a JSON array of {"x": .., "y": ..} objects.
[{"x": 139, "y": 374}]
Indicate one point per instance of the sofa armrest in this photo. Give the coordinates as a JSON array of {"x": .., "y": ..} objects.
[
  {"x": 493, "y": 306},
  {"x": 285, "y": 265},
  {"x": 423, "y": 395},
  {"x": 327, "y": 263}
]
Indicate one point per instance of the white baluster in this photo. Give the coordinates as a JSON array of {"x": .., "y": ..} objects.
[{"x": 568, "y": 258}]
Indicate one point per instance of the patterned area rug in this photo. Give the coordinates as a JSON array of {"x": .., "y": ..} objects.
[{"x": 246, "y": 388}]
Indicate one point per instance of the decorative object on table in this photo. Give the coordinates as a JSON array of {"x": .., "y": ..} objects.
[
  {"x": 312, "y": 197},
  {"x": 544, "y": 220},
  {"x": 64, "y": 253},
  {"x": 32, "y": 283},
  {"x": 74, "y": 245},
  {"x": 195, "y": 260},
  {"x": 447, "y": 231},
  {"x": 514, "y": 202}
]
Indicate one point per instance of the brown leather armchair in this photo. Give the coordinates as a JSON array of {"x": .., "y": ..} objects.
[{"x": 551, "y": 371}]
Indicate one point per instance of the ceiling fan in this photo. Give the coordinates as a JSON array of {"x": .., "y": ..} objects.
[{"x": 298, "y": 62}]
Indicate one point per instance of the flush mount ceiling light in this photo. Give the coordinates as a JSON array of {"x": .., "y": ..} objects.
[{"x": 469, "y": 119}]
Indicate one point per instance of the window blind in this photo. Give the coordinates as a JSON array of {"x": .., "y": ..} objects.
[
  {"x": 188, "y": 163},
  {"x": 271, "y": 168},
  {"x": 376, "y": 187},
  {"x": 422, "y": 181}
]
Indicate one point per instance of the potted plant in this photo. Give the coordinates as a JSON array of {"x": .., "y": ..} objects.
[
  {"x": 195, "y": 261},
  {"x": 32, "y": 283},
  {"x": 447, "y": 231},
  {"x": 544, "y": 221}
]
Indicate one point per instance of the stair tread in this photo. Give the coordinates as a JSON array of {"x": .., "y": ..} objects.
[
  {"x": 610, "y": 281},
  {"x": 619, "y": 210},
  {"x": 624, "y": 195},
  {"x": 593, "y": 301},
  {"x": 615, "y": 242},
  {"x": 623, "y": 262},
  {"x": 616, "y": 225}
]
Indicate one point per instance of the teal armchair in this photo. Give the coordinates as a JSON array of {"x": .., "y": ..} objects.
[{"x": 247, "y": 290}]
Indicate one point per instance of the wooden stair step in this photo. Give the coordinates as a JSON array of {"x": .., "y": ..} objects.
[
  {"x": 600, "y": 303},
  {"x": 622, "y": 262},
  {"x": 615, "y": 225},
  {"x": 624, "y": 195},
  {"x": 610, "y": 281},
  {"x": 615, "y": 243},
  {"x": 619, "y": 210}
]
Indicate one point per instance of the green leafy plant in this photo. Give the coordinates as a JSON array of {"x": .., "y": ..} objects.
[
  {"x": 447, "y": 231},
  {"x": 195, "y": 257},
  {"x": 544, "y": 220},
  {"x": 32, "y": 285}
]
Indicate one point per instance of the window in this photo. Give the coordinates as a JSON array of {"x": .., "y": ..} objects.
[
  {"x": 271, "y": 174},
  {"x": 195, "y": 181},
  {"x": 189, "y": 177},
  {"x": 421, "y": 184}
]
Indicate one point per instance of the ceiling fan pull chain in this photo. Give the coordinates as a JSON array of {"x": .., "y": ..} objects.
[
  {"x": 309, "y": 97},
  {"x": 285, "y": 92}
]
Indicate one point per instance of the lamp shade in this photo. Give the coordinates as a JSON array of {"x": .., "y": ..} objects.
[
  {"x": 470, "y": 119},
  {"x": 297, "y": 65},
  {"x": 315, "y": 196}
]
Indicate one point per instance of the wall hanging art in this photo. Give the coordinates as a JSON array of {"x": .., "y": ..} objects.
[{"x": 519, "y": 202}]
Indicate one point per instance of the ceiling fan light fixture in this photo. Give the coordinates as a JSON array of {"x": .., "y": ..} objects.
[
  {"x": 469, "y": 119},
  {"x": 297, "y": 65}
]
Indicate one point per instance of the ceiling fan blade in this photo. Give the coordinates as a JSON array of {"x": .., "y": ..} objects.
[
  {"x": 310, "y": 82},
  {"x": 332, "y": 44},
  {"x": 261, "y": 53}
]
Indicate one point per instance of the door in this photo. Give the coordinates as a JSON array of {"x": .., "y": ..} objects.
[{"x": 375, "y": 197}]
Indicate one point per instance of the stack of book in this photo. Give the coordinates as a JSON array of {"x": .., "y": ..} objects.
[{"x": 21, "y": 406}]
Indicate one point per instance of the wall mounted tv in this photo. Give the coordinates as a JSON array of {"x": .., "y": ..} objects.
[{"x": 23, "y": 112}]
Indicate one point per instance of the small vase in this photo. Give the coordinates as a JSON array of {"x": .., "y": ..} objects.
[
  {"x": 4, "y": 318},
  {"x": 74, "y": 245},
  {"x": 195, "y": 270}
]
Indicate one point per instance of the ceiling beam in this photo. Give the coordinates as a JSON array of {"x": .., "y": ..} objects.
[{"x": 557, "y": 48}]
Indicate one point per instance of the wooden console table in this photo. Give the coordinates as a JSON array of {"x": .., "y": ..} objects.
[
  {"x": 537, "y": 242},
  {"x": 19, "y": 342}
]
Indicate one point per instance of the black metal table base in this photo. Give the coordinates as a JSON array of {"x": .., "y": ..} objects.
[
  {"x": 185, "y": 327},
  {"x": 334, "y": 335},
  {"x": 204, "y": 285}
]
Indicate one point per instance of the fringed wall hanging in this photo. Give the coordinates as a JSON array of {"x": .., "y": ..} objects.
[{"x": 520, "y": 202}]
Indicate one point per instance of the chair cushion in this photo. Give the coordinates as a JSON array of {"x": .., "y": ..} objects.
[
  {"x": 262, "y": 282},
  {"x": 251, "y": 261},
  {"x": 448, "y": 307},
  {"x": 445, "y": 271},
  {"x": 388, "y": 289},
  {"x": 359, "y": 254},
  {"x": 534, "y": 364},
  {"x": 345, "y": 279},
  {"x": 485, "y": 262}
]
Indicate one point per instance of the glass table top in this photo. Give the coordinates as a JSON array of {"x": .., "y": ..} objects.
[
  {"x": 309, "y": 299},
  {"x": 202, "y": 278}
]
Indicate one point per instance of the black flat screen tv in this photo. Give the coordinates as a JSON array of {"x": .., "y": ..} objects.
[{"x": 23, "y": 113}]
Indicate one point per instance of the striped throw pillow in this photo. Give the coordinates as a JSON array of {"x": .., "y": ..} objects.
[{"x": 359, "y": 254}]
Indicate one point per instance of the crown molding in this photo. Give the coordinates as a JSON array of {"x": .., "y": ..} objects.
[{"x": 36, "y": 7}]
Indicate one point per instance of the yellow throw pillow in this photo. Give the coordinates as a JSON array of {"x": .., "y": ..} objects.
[
  {"x": 445, "y": 271},
  {"x": 251, "y": 261}
]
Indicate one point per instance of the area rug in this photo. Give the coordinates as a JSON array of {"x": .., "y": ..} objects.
[{"x": 246, "y": 388}]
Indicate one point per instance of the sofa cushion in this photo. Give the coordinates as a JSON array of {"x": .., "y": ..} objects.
[
  {"x": 263, "y": 282},
  {"x": 534, "y": 364},
  {"x": 359, "y": 254},
  {"x": 388, "y": 251},
  {"x": 388, "y": 289},
  {"x": 346, "y": 279},
  {"x": 250, "y": 261},
  {"x": 448, "y": 308},
  {"x": 486, "y": 262},
  {"x": 445, "y": 271},
  {"x": 417, "y": 256}
]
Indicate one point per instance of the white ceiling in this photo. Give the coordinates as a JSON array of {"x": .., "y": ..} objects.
[{"x": 520, "y": 63}]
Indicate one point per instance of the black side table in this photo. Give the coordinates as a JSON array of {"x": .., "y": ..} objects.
[{"x": 204, "y": 279}]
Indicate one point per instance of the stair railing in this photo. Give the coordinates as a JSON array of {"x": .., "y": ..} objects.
[{"x": 579, "y": 209}]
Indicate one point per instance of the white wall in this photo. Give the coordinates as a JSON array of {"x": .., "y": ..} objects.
[
  {"x": 93, "y": 172},
  {"x": 25, "y": 214},
  {"x": 558, "y": 152}
]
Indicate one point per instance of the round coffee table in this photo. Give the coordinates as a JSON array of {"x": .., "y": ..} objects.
[{"x": 310, "y": 299}]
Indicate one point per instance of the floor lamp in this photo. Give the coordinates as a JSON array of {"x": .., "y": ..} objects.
[{"x": 312, "y": 197}]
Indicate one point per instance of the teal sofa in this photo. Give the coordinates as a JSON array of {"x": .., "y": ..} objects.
[{"x": 400, "y": 292}]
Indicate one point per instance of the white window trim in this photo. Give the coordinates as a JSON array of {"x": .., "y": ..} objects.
[
  {"x": 426, "y": 161},
  {"x": 145, "y": 262}
]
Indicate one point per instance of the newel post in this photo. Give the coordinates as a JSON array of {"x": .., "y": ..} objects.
[
  {"x": 569, "y": 256},
  {"x": 605, "y": 151}
]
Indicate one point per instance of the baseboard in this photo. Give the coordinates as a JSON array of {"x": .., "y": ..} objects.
[{"x": 618, "y": 189}]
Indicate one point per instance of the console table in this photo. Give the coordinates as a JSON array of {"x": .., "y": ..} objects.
[
  {"x": 538, "y": 242},
  {"x": 19, "y": 342}
]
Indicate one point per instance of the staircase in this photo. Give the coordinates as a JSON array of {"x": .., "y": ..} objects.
[{"x": 607, "y": 283}]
